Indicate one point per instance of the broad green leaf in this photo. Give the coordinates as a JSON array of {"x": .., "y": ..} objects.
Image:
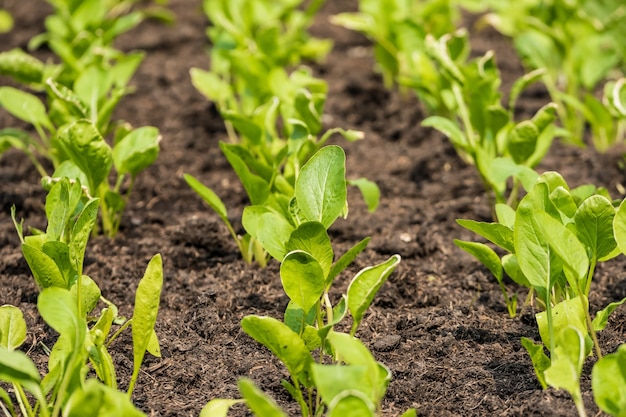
[
  {"x": 89, "y": 293},
  {"x": 85, "y": 146},
  {"x": 17, "y": 368},
  {"x": 567, "y": 362},
  {"x": 98, "y": 400},
  {"x": 58, "y": 210},
  {"x": 365, "y": 285},
  {"x": 44, "y": 269},
  {"x": 522, "y": 141},
  {"x": 370, "y": 192},
  {"x": 23, "y": 67},
  {"x": 59, "y": 309},
  {"x": 256, "y": 187},
  {"x": 608, "y": 382},
  {"x": 484, "y": 254},
  {"x": 351, "y": 404},
  {"x": 260, "y": 403},
  {"x": 538, "y": 358},
  {"x": 268, "y": 227},
  {"x": 602, "y": 317},
  {"x": 496, "y": 233},
  {"x": 147, "y": 300},
  {"x": 218, "y": 407},
  {"x": 91, "y": 85},
  {"x": 333, "y": 380},
  {"x": 25, "y": 106},
  {"x": 302, "y": 278},
  {"x": 594, "y": 226},
  {"x": 283, "y": 342},
  {"x": 59, "y": 252},
  {"x": 296, "y": 318},
  {"x": 12, "y": 327},
  {"x": 136, "y": 151},
  {"x": 311, "y": 237},
  {"x": 512, "y": 269},
  {"x": 505, "y": 215},
  {"x": 321, "y": 186},
  {"x": 533, "y": 253},
  {"x": 210, "y": 85},
  {"x": 564, "y": 201}
]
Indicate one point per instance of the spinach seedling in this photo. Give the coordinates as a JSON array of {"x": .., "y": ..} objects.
[
  {"x": 331, "y": 372},
  {"x": 67, "y": 302},
  {"x": 579, "y": 44},
  {"x": 482, "y": 130},
  {"x": 554, "y": 240},
  {"x": 398, "y": 29}
]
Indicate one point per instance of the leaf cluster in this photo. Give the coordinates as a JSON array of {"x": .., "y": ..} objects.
[
  {"x": 553, "y": 243},
  {"x": 68, "y": 303},
  {"x": 81, "y": 93},
  {"x": 332, "y": 373}
]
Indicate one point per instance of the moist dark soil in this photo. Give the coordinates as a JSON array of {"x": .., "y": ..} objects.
[{"x": 439, "y": 323}]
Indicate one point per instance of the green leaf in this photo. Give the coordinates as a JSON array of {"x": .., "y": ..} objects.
[
  {"x": 210, "y": 85},
  {"x": 218, "y": 407},
  {"x": 302, "y": 278},
  {"x": 17, "y": 368},
  {"x": 608, "y": 383},
  {"x": 321, "y": 186},
  {"x": 370, "y": 192},
  {"x": 137, "y": 150},
  {"x": 147, "y": 300},
  {"x": 81, "y": 231},
  {"x": 23, "y": 67},
  {"x": 540, "y": 361},
  {"x": 12, "y": 327},
  {"x": 594, "y": 226},
  {"x": 311, "y": 237},
  {"x": 602, "y": 317},
  {"x": 44, "y": 269},
  {"x": 448, "y": 128},
  {"x": 496, "y": 233},
  {"x": 619, "y": 226},
  {"x": 345, "y": 260},
  {"x": 59, "y": 309},
  {"x": 260, "y": 403},
  {"x": 89, "y": 293},
  {"x": 567, "y": 313},
  {"x": 85, "y": 146},
  {"x": 365, "y": 285},
  {"x": 208, "y": 196},
  {"x": 268, "y": 227},
  {"x": 351, "y": 404},
  {"x": 567, "y": 362},
  {"x": 522, "y": 141},
  {"x": 256, "y": 187},
  {"x": 283, "y": 342},
  {"x": 98, "y": 400},
  {"x": 484, "y": 254},
  {"x": 25, "y": 106}
]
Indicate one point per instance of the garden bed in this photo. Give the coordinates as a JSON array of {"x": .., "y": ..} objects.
[{"x": 439, "y": 323}]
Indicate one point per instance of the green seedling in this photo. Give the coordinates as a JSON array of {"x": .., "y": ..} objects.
[
  {"x": 554, "y": 240},
  {"x": 268, "y": 167},
  {"x": 399, "y": 29},
  {"x": 579, "y": 44},
  {"x": 6, "y": 21},
  {"x": 332, "y": 373},
  {"x": 482, "y": 130}
]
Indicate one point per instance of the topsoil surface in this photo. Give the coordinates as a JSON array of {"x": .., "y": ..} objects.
[{"x": 439, "y": 323}]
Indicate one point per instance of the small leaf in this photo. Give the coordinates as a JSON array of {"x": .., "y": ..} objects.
[
  {"x": 302, "y": 278},
  {"x": 283, "y": 342},
  {"x": 619, "y": 226},
  {"x": 496, "y": 233},
  {"x": 538, "y": 358},
  {"x": 602, "y": 317},
  {"x": 448, "y": 128},
  {"x": 12, "y": 327},
  {"x": 17, "y": 368},
  {"x": 44, "y": 269},
  {"x": 345, "y": 260},
  {"x": 218, "y": 407},
  {"x": 147, "y": 300},
  {"x": 208, "y": 196},
  {"x": 365, "y": 285},
  {"x": 484, "y": 254},
  {"x": 594, "y": 226},
  {"x": 24, "y": 106},
  {"x": 567, "y": 362},
  {"x": 311, "y": 237},
  {"x": 137, "y": 150},
  {"x": 351, "y": 404},
  {"x": 98, "y": 400},
  {"x": 268, "y": 227},
  {"x": 370, "y": 192}
]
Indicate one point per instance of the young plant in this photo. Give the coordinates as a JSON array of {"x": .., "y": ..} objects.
[
  {"x": 6, "y": 21},
  {"x": 554, "y": 240},
  {"x": 579, "y": 44},
  {"x": 268, "y": 165},
  {"x": 331, "y": 372},
  {"x": 484, "y": 132},
  {"x": 68, "y": 302},
  {"x": 399, "y": 29}
]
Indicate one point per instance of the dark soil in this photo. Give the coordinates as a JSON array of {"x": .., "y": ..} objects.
[{"x": 439, "y": 323}]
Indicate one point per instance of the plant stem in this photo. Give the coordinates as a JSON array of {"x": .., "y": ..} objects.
[{"x": 22, "y": 401}]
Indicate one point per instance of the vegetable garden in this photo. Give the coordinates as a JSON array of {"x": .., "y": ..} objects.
[{"x": 336, "y": 208}]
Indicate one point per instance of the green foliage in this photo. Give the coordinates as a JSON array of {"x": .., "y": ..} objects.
[
  {"x": 554, "y": 240},
  {"x": 331, "y": 372},
  {"x": 482, "y": 130},
  {"x": 81, "y": 93},
  {"x": 6, "y": 21},
  {"x": 68, "y": 303},
  {"x": 399, "y": 30},
  {"x": 580, "y": 44},
  {"x": 608, "y": 382}
]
